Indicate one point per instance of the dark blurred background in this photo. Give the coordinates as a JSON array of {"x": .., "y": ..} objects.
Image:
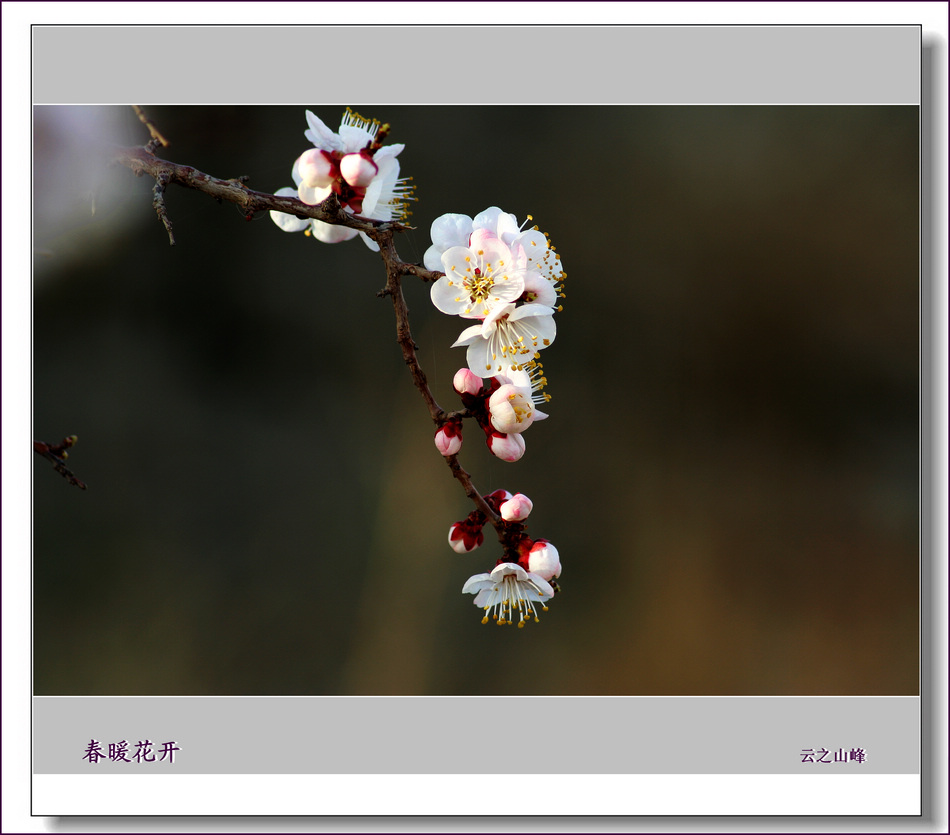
[{"x": 730, "y": 469}]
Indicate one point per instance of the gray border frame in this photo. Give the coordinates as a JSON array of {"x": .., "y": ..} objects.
[
  {"x": 740, "y": 65},
  {"x": 927, "y": 332}
]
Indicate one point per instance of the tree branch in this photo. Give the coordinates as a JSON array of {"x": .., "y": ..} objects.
[
  {"x": 393, "y": 289},
  {"x": 142, "y": 162},
  {"x": 57, "y": 454},
  {"x": 154, "y": 131}
]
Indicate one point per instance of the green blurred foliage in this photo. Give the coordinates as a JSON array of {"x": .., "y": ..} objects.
[{"x": 730, "y": 469}]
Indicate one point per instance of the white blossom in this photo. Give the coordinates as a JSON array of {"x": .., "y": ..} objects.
[
  {"x": 509, "y": 591},
  {"x": 508, "y": 339},
  {"x": 479, "y": 277},
  {"x": 350, "y": 164}
]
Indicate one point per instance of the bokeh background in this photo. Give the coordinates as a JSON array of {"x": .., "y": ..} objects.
[{"x": 730, "y": 469}]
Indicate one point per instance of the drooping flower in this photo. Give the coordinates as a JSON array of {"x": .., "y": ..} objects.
[
  {"x": 509, "y": 592},
  {"x": 508, "y": 338},
  {"x": 478, "y": 277},
  {"x": 511, "y": 408},
  {"x": 353, "y": 165},
  {"x": 530, "y": 378}
]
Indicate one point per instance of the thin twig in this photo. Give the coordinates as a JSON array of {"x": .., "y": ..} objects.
[
  {"x": 56, "y": 453},
  {"x": 153, "y": 131}
]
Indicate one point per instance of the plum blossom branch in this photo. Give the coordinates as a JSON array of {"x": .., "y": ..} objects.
[
  {"x": 143, "y": 163},
  {"x": 395, "y": 269},
  {"x": 488, "y": 269}
]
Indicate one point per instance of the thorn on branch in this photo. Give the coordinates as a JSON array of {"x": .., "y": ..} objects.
[{"x": 57, "y": 454}]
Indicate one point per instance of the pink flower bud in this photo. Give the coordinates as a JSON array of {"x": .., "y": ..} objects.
[
  {"x": 358, "y": 170},
  {"x": 466, "y": 382},
  {"x": 511, "y": 409},
  {"x": 315, "y": 169},
  {"x": 506, "y": 447},
  {"x": 496, "y": 499},
  {"x": 544, "y": 560},
  {"x": 463, "y": 537},
  {"x": 516, "y": 508},
  {"x": 448, "y": 439}
]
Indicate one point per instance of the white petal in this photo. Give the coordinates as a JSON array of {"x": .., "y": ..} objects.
[
  {"x": 505, "y": 568},
  {"x": 502, "y": 224},
  {"x": 433, "y": 259},
  {"x": 531, "y": 310},
  {"x": 450, "y": 230},
  {"x": 478, "y": 358},
  {"x": 377, "y": 202},
  {"x": 545, "y": 587},
  {"x": 321, "y": 136},
  {"x": 541, "y": 328},
  {"x": 497, "y": 313},
  {"x": 476, "y": 583},
  {"x": 369, "y": 242},
  {"x": 388, "y": 151},
  {"x": 313, "y": 196},
  {"x": 287, "y": 222},
  {"x": 331, "y": 233},
  {"x": 466, "y": 336},
  {"x": 542, "y": 289},
  {"x": 535, "y": 244},
  {"x": 354, "y": 138},
  {"x": 449, "y": 296}
]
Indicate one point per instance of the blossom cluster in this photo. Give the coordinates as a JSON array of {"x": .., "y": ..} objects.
[
  {"x": 504, "y": 407},
  {"x": 506, "y": 281},
  {"x": 512, "y": 589},
  {"x": 355, "y": 166},
  {"x": 509, "y": 280}
]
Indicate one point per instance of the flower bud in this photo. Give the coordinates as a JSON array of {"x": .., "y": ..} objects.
[
  {"x": 516, "y": 508},
  {"x": 464, "y": 537},
  {"x": 466, "y": 382},
  {"x": 358, "y": 170},
  {"x": 316, "y": 169},
  {"x": 448, "y": 439},
  {"x": 511, "y": 409},
  {"x": 543, "y": 560},
  {"x": 506, "y": 447}
]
